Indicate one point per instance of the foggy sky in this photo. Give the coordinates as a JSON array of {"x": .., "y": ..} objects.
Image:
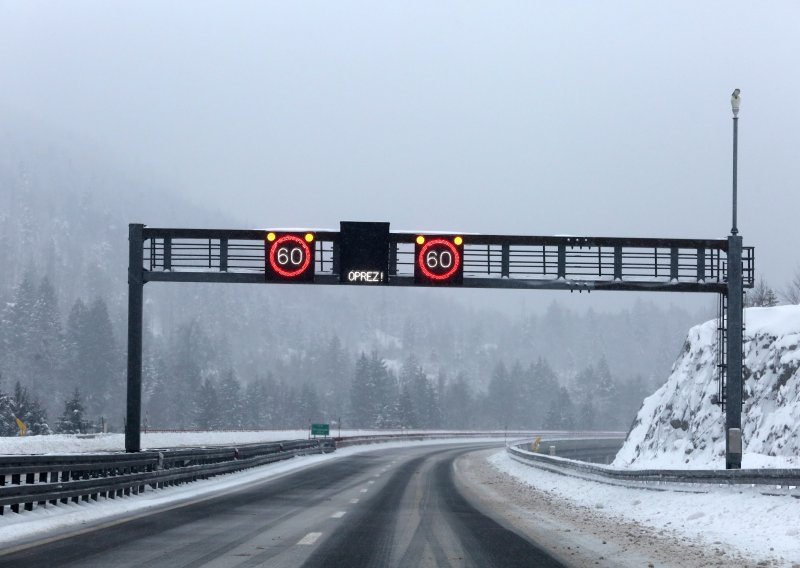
[{"x": 583, "y": 118}]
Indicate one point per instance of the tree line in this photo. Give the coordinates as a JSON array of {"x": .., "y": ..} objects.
[{"x": 73, "y": 371}]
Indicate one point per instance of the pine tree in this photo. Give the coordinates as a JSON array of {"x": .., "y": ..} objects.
[
  {"x": 425, "y": 400},
  {"x": 104, "y": 378},
  {"x": 501, "y": 399},
  {"x": 386, "y": 394},
  {"x": 193, "y": 363},
  {"x": 230, "y": 402},
  {"x": 8, "y": 425},
  {"x": 585, "y": 392},
  {"x": 608, "y": 400},
  {"x": 544, "y": 390},
  {"x": 72, "y": 421},
  {"x": 406, "y": 414},
  {"x": 17, "y": 333},
  {"x": 458, "y": 405},
  {"x": 561, "y": 415},
  {"x": 257, "y": 406},
  {"x": 334, "y": 371},
  {"x": 30, "y": 412},
  {"x": 374, "y": 396},
  {"x": 48, "y": 348},
  {"x": 362, "y": 395},
  {"x": 308, "y": 404},
  {"x": 207, "y": 410}
]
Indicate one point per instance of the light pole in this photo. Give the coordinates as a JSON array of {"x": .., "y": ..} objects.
[
  {"x": 735, "y": 101},
  {"x": 735, "y": 319}
]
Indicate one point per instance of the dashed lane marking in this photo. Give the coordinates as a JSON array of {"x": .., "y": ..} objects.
[
  {"x": 338, "y": 514},
  {"x": 310, "y": 538},
  {"x": 371, "y": 481},
  {"x": 364, "y": 490},
  {"x": 354, "y": 501}
]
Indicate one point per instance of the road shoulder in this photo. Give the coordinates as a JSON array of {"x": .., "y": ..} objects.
[{"x": 576, "y": 534}]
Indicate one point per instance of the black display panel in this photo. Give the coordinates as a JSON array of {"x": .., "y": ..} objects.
[
  {"x": 289, "y": 257},
  {"x": 439, "y": 260},
  {"x": 363, "y": 253}
]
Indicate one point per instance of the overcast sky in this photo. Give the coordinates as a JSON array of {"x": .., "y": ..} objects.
[{"x": 585, "y": 118}]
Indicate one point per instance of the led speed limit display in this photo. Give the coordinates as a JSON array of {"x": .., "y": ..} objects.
[
  {"x": 438, "y": 260},
  {"x": 289, "y": 257}
]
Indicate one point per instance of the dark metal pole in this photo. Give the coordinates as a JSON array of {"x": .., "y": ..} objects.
[
  {"x": 135, "y": 304},
  {"x": 735, "y": 229},
  {"x": 733, "y": 403},
  {"x": 735, "y": 319}
]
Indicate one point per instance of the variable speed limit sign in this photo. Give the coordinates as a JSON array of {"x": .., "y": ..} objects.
[
  {"x": 438, "y": 260},
  {"x": 289, "y": 257}
]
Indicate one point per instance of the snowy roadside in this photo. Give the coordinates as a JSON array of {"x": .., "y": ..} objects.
[
  {"x": 56, "y": 521},
  {"x": 624, "y": 527},
  {"x": 72, "y": 444}
]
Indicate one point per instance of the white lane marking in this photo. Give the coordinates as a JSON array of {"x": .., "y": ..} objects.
[
  {"x": 310, "y": 538},
  {"x": 354, "y": 501},
  {"x": 338, "y": 514},
  {"x": 371, "y": 481},
  {"x": 364, "y": 490}
]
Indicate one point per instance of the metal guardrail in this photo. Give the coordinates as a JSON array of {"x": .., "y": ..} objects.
[
  {"x": 419, "y": 436},
  {"x": 28, "y": 481},
  {"x": 766, "y": 481},
  {"x": 39, "y": 480}
]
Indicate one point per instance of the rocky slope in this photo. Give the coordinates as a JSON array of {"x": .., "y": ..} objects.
[{"x": 679, "y": 427}]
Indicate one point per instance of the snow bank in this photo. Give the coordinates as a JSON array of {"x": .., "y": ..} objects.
[
  {"x": 72, "y": 444},
  {"x": 678, "y": 427},
  {"x": 764, "y": 528}
]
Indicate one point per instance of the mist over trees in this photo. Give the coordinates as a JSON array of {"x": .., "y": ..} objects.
[
  {"x": 71, "y": 367},
  {"x": 281, "y": 356}
]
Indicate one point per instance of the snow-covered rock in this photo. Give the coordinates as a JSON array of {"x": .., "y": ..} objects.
[{"x": 678, "y": 427}]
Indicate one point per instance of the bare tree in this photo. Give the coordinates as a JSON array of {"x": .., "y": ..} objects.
[
  {"x": 762, "y": 296},
  {"x": 791, "y": 293}
]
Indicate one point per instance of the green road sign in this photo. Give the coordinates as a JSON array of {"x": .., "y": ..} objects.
[{"x": 320, "y": 429}]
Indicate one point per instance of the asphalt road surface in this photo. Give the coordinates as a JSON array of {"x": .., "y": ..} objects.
[{"x": 398, "y": 507}]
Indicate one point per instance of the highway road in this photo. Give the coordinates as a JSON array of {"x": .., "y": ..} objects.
[{"x": 392, "y": 507}]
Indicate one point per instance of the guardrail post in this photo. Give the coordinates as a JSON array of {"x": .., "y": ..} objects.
[
  {"x": 733, "y": 402},
  {"x": 135, "y": 306},
  {"x": 15, "y": 480}
]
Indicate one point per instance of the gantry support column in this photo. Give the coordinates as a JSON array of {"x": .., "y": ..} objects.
[
  {"x": 733, "y": 402},
  {"x": 135, "y": 304}
]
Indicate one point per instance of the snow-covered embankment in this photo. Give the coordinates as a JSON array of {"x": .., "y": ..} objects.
[{"x": 679, "y": 427}]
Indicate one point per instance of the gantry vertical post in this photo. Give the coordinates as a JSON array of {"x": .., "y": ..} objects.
[
  {"x": 135, "y": 304},
  {"x": 733, "y": 402}
]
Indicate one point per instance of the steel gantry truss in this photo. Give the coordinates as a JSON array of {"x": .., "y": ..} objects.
[{"x": 719, "y": 266}]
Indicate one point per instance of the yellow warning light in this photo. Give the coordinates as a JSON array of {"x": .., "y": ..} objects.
[
  {"x": 309, "y": 237},
  {"x": 458, "y": 241},
  {"x": 270, "y": 237},
  {"x": 420, "y": 240}
]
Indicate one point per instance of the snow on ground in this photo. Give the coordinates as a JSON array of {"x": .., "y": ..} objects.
[
  {"x": 75, "y": 444},
  {"x": 18, "y": 529},
  {"x": 761, "y": 528},
  {"x": 72, "y": 444}
]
